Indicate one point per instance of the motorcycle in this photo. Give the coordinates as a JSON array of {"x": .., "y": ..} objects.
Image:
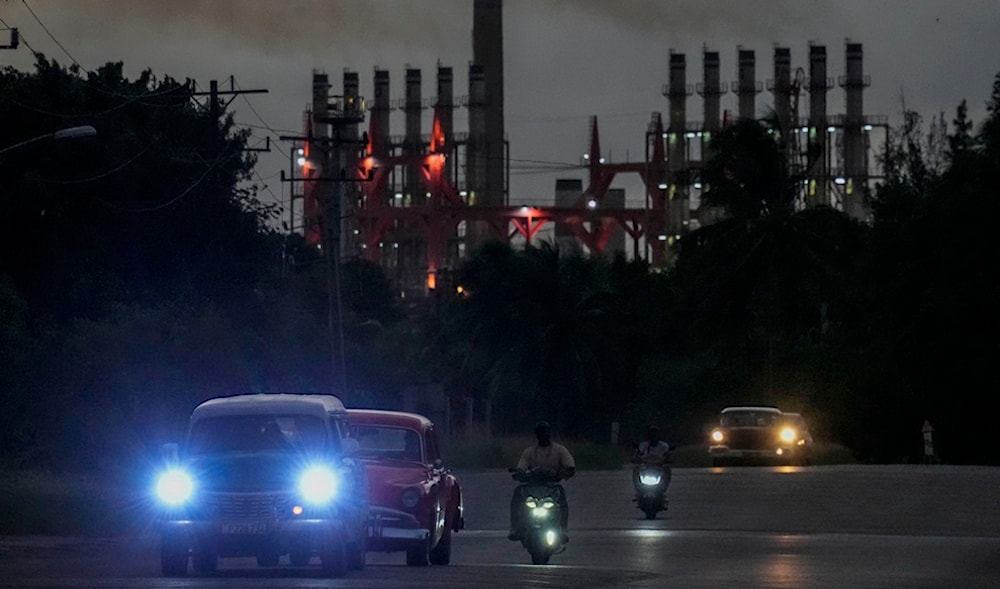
[
  {"x": 651, "y": 480},
  {"x": 540, "y": 515}
]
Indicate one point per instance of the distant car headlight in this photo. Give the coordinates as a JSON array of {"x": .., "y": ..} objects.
[
  {"x": 319, "y": 485},
  {"x": 411, "y": 497},
  {"x": 788, "y": 435},
  {"x": 174, "y": 487},
  {"x": 718, "y": 436}
]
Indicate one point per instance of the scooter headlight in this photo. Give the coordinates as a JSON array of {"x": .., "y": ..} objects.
[
  {"x": 319, "y": 485},
  {"x": 530, "y": 503},
  {"x": 174, "y": 487},
  {"x": 650, "y": 479}
]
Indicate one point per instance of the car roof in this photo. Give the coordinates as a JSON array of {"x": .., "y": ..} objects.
[
  {"x": 390, "y": 418},
  {"x": 269, "y": 404},
  {"x": 764, "y": 408}
]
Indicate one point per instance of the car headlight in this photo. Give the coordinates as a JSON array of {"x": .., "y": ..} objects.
[
  {"x": 650, "y": 479},
  {"x": 788, "y": 435},
  {"x": 174, "y": 487},
  {"x": 717, "y": 436},
  {"x": 319, "y": 485},
  {"x": 411, "y": 497}
]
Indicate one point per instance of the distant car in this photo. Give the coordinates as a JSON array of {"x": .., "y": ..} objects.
[
  {"x": 759, "y": 434},
  {"x": 416, "y": 504}
]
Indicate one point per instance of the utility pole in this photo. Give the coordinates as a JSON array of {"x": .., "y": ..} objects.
[
  {"x": 213, "y": 103},
  {"x": 330, "y": 115}
]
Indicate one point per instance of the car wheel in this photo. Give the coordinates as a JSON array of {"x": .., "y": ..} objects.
[
  {"x": 441, "y": 554},
  {"x": 173, "y": 558},
  {"x": 333, "y": 557},
  {"x": 205, "y": 560},
  {"x": 418, "y": 554},
  {"x": 356, "y": 552}
]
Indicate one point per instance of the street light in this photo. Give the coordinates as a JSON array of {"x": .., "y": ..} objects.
[{"x": 69, "y": 133}]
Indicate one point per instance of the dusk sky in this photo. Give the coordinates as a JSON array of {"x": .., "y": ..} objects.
[{"x": 564, "y": 60}]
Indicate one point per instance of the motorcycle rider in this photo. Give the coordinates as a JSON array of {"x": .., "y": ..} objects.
[
  {"x": 652, "y": 451},
  {"x": 544, "y": 455}
]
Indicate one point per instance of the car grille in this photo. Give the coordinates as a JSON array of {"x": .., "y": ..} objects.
[
  {"x": 243, "y": 506},
  {"x": 751, "y": 439}
]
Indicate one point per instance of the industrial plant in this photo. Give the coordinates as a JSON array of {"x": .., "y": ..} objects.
[{"x": 417, "y": 203}]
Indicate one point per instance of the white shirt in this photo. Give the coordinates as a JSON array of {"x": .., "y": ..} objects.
[
  {"x": 554, "y": 457},
  {"x": 657, "y": 450}
]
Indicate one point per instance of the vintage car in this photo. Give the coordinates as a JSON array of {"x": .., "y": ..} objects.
[
  {"x": 264, "y": 475},
  {"x": 759, "y": 434},
  {"x": 416, "y": 504}
]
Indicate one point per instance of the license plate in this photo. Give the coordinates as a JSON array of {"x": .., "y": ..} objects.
[{"x": 243, "y": 528}]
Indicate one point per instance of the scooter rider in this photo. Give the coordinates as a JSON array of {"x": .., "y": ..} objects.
[
  {"x": 545, "y": 455},
  {"x": 653, "y": 451}
]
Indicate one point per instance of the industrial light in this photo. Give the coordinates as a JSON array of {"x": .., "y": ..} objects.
[
  {"x": 592, "y": 203},
  {"x": 661, "y": 237},
  {"x": 868, "y": 127},
  {"x": 840, "y": 181},
  {"x": 600, "y": 161},
  {"x": 831, "y": 129},
  {"x": 662, "y": 186}
]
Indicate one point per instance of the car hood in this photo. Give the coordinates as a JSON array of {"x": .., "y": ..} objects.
[{"x": 397, "y": 474}]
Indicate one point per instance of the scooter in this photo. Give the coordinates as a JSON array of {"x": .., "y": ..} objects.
[
  {"x": 540, "y": 516},
  {"x": 651, "y": 479}
]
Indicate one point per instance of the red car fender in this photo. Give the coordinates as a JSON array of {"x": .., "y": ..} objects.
[{"x": 454, "y": 518}]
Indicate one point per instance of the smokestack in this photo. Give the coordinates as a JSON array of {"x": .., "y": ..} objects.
[
  {"x": 855, "y": 159},
  {"x": 487, "y": 47},
  {"x": 746, "y": 86},
  {"x": 818, "y": 174},
  {"x": 781, "y": 87}
]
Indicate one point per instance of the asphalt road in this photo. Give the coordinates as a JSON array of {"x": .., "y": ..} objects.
[{"x": 837, "y": 527}]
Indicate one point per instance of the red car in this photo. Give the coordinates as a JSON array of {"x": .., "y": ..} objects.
[{"x": 416, "y": 504}]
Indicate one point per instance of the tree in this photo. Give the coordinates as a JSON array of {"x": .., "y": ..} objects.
[
  {"x": 540, "y": 332},
  {"x": 140, "y": 261}
]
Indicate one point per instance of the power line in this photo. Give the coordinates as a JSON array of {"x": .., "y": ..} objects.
[{"x": 51, "y": 36}]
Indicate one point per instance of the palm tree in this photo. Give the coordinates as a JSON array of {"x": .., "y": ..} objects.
[{"x": 766, "y": 275}]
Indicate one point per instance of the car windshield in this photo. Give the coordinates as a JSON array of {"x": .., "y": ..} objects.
[
  {"x": 749, "y": 419},
  {"x": 385, "y": 442},
  {"x": 257, "y": 433}
]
